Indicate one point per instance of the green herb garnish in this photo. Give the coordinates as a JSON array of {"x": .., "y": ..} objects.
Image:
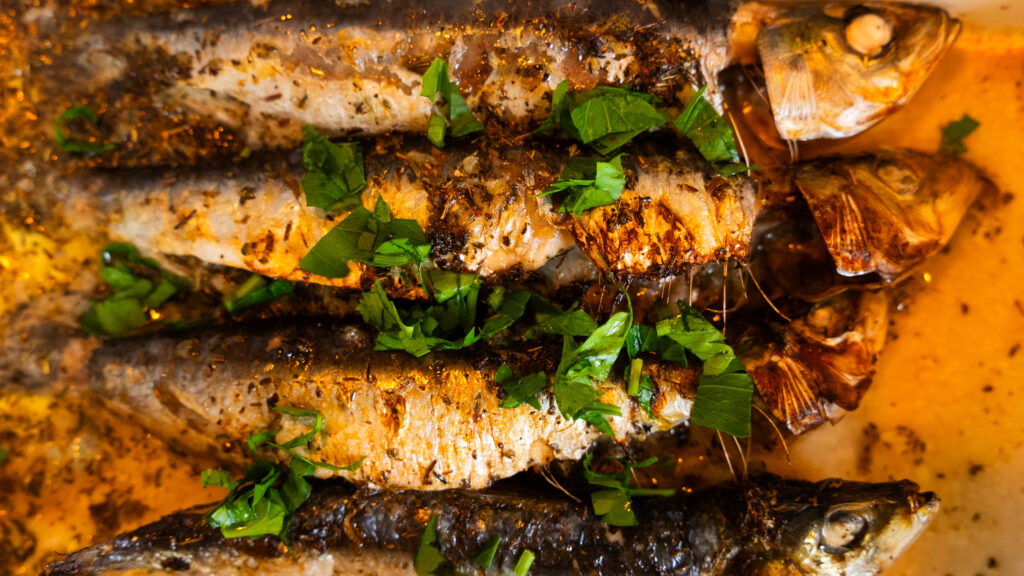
[
  {"x": 335, "y": 173},
  {"x": 724, "y": 390},
  {"x": 264, "y": 500},
  {"x": 737, "y": 168},
  {"x": 429, "y": 561},
  {"x": 706, "y": 128},
  {"x": 582, "y": 365},
  {"x": 455, "y": 118},
  {"x": 953, "y": 135},
  {"x": 78, "y": 113},
  {"x": 523, "y": 564},
  {"x": 485, "y": 557},
  {"x": 606, "y": 117},
  {"x": 4, "y": 455},
  {"x": 371, "y": 238},
  {"x": 615, "y": 504},
  {"x": 507, "y": 307},
  {"x": 553, "y": 320},
  {"x": 520, "y": 389},
  {"x": 256, "y": 290},
  {"x": 591, "y": 182},
  {"x": 418, "y": 330},
  {"x": 136, "y": 284}
]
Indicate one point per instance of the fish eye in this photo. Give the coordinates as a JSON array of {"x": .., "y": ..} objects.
[
  {"x": 868, "y": 33},
  {"x": 841, "y": 530}
]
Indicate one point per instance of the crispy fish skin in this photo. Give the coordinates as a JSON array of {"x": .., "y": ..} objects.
[
  {"x": 214, "y": 81},
  {"x": 429, "y": 423},
  {"x": 476, "y": 204},
  {"x": 769, "y": 526}
]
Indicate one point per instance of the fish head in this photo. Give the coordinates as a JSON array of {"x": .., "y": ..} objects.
[
  {"x": 883, "y": 213},
  {"x": 832, "y": 70},
  {"x": 848, "y": 528}
]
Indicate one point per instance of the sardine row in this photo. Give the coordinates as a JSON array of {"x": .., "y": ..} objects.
[{"x": 769, "y": 526}]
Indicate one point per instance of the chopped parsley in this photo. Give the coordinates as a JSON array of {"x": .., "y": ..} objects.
[
  {"x": 68, "y": 145},
  {"x": 485, "y": 557},
  {"x": 452, "y": 114},
  {"x": 335, "y": 173},
  {"x": 371, "y": 238},
  {"x": 266, "y": 497},
  {"x": 590, "y": 182},
  {"x": 708, "y": 131},
  {"x": 605, "y": 118},
  {"x": 614, "y": 504},
  {"x": 953, "y": 135},
  {"x": 429, "y": 561},
  {"x": 507, "y": 307},
  {"x": 581, "y": 365},
  {"x": 523, "y": 564},
  {"x": 737, "y": 168},
  {"x": 136, "y": 286},
  {"x": 449, "y": 324},
  {"x": 724, "y": 390},
  {"x": 254, "y": 291},
  {"x": 520, "y": 389}
]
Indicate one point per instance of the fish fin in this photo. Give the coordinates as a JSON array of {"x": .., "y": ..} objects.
[
  {"x": 788, "y": 388},
  {"x": 798, "y": 104}
]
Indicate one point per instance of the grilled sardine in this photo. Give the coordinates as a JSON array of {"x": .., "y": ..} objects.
[
  {"x": 766, "y": 527},
  {"x": 428, "y": 423}
]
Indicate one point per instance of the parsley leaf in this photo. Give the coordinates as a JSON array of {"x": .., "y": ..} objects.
[
  {"x": 953, "y": 135},
  {"x": 78, "y": 113},
  {"x": 429, "y": 561},
  {"x": 372, "y": 238},
  {"x": 458, "y": 119},
  {"x": 606, "y": 117},
  {"x": 422, "y": 329},
  {"x": 737, "y": 168},
  {"x": 266, "y": 497},
  {"x": 591, "y": 182},
  {"x": 508, "y": 307},
  {"x": 520, "y": 389},
  {"x": 335, "y": 173},
  {"x": 706, "y": 128},
  {"x": 136, "y": 285},
  {"x": 254, "y": 291},
  {"x": 485, "y": 557},
  {"x": 724, "y": 390},
  {"x": 580, "y": 366},
  {"x": 553, "y": 320},
  {"x": 614, "y": 504}
]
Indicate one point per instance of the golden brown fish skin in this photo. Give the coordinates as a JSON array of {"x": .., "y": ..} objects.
[
  {"x": 677, "y": 213},
  {"x": 429, "y": 423},
  {"x": 764, "y": 527},
  {"x": 884, "y": 213},
  {"x": 477, "y": 205}
]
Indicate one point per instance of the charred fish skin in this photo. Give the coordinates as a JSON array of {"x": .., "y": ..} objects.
[
  {"x": 477, "y": 205},
  {"x": 768, "y": 526},
  {"x": 212, "y": 82},
  {"x": 429, "y": 423}
]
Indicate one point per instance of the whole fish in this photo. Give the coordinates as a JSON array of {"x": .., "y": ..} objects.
[
  {"x": 477, "y": 205},
  {"x": 215, "y": 81},
  {"x": 428, "y": 423},
  {"x": 762, "y": 528}
]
